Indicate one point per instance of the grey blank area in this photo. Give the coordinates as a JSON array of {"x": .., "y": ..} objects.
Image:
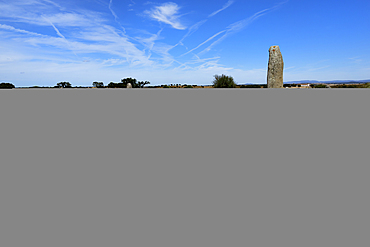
[{"x": 184, "y": 167}]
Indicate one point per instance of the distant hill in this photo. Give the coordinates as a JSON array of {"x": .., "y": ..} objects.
[
  {"x": 318, "y": 82},
  {"x": 329, "y": 82}
]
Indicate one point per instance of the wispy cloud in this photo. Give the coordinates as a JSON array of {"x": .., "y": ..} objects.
[
  {"x": 356, "y": 59},
  {"x": 197, "y": 25},
  {"x": 228, "y": 4},
  {"x": 209, "y": 39},
  {"x": 103, "y": 50},
  {"x": 192, "y": 29},
  {"x": 239, "y": 25},
  {"x": 115, "y": 15},
  {"x": 53, "y": 3},
  {"x": 166, "y": 13},
  {"x": 10, "y": 28},
  {"x": 56, "y": 29},
  {"x": 111, "y": 10},
  {"x": 60, "y": 34}
]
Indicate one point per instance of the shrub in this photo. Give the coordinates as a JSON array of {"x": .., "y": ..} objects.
[
  {"x": 253, "y": 86},
  {"x": 223, "y": 81},
  {"x": 165, "y": 86},
  {"x": 320, "y": 86},
  {"x": 98, "y": 84},
  {"x": 115, "y": 85},
  {"x": 6, "y": 85},
  {"x": 189, "y": 86}
]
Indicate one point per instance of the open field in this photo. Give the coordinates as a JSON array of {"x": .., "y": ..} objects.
[{"x": 255, "y": 86}]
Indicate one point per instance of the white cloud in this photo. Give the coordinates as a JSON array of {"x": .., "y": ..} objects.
[
  {"x": 10, "y": 28},
  {"x": 239, "y": 25},
  {"x": 105, "y": 53},
  {"x": 192, "y": 29},
  {"x": 228, "y": 4},
  {"x": 166, "y": 13},
  {"x": 70, "y": 19},
  {"x": 209, "y": 39}
]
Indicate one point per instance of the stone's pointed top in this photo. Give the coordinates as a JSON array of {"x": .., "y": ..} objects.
[{"x": 274, "y": 48}]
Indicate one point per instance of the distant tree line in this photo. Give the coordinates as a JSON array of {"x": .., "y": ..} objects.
[
  {"x": 124, "y": 82},
  {"x": 220, "y": 81},
  {"x": 365, "y": 85}
]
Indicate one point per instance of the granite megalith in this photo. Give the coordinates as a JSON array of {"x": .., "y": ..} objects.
[
  {"x": 129, "y": 85},
  {"x": 275, "y": 68}
]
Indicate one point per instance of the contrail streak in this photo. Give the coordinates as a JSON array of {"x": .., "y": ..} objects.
[
  {"x": 204, "y": 42},
  {"x": 228, "y": 4},
  {"x": 239, "y": 25},
  {"x": 115, "y": 15},
  {"x": 59, "y": 34}
]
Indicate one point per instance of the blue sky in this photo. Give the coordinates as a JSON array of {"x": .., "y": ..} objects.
[{"x": 44, "y": 42}]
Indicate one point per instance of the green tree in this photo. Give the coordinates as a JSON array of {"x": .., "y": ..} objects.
[
  {"x": 141, "y": 84},
  {"x": 64, "y": 84},
  {"x": 129, "y": 80},
  {"x": 111, "y": 84},
  {"x": 98, "y": 84},
  {"x": 223, "y": 81},
  {"x": 6, "y": 85},
  {"x": 116, "y": 85}
]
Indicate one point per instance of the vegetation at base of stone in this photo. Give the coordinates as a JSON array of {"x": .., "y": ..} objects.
[
  {"x": 319, "y": 86},
  {"x": 98, "y": 84},
  {"x": 6, "y": 85},
  {"x": 223, "y": 81},
  {"x": 292, "y": 85},
  {"x": 64, "y": 84},
  {"x": 254, "y": 86},
  {"x": 365, "y": 85}
]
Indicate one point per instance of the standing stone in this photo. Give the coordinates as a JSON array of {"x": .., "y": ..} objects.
[
  {"x": 129, "y": 85},
  {"x": 275, "y": 68}
]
